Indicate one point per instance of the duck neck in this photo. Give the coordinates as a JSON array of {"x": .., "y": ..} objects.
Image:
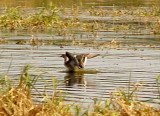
[
  {"x": 65, "y": 60},
  {"x": 85, "y": 60}
]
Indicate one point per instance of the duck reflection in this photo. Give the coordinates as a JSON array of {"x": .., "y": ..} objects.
[{"x": 74, "y": 78}]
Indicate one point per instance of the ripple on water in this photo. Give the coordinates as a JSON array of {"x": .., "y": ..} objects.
[{"x": 118, "y": 69}]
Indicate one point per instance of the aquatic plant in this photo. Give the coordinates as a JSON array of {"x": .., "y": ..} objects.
[
  {"x": 3, "y": 41},
  {"x": 14, "y": 18},
  {"x": 64, "y": 22},
  {"x": 54, "y": 17},
  {"x": 11, "y": 18}
]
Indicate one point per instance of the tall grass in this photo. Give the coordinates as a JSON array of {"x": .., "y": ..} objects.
[
  {"x": 16, "y": 101},
  {"x": 158, "y": 85}
]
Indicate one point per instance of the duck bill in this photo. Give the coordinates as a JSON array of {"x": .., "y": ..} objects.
[{"x": 62, "y": 55}]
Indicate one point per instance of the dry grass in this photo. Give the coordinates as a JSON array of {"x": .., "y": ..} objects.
[
  {"x": 120, "y": 105},
  {"x": 16, "y": 101}
]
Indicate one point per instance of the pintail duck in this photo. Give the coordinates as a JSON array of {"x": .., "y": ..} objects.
[{"x": 73, "y": 62}]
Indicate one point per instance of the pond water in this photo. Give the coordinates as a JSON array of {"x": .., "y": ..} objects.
[{"x": 138, "y": 62}]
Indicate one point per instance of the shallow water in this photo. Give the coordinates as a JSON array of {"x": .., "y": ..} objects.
[
  {"x": 117, "y": 68},
  {"x": 137, "y": 61}
]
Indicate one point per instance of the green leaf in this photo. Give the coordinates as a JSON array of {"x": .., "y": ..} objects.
[{"x": 53, "y": 81}]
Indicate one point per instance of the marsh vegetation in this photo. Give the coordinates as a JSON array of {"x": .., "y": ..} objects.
[
  {"x": 66, "y": 22},
  {"x": 17, "y": 101}
]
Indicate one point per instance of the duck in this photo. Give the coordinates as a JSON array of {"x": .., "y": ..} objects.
[
  {"x": 73, "y": 61},
  {"x": 70, "y": 61}
]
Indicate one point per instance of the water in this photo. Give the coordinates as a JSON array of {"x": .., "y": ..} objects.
[
  {"x": 118, "y": 69},
  {"x": 136, "y": 61}
]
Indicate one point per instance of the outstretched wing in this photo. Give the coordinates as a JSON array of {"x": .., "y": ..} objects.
[
  {"x": 91, "y": 55},
  {"x": 72, "y": 58}
]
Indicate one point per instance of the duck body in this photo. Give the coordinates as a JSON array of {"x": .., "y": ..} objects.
[
  {"x": 82, "y": 60},
  {"x": 70, "y": 61},
  {"x": 73, "y": 62}
]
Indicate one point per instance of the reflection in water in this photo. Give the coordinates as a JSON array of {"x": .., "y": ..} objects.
[{"x": 74, "y": 78}]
